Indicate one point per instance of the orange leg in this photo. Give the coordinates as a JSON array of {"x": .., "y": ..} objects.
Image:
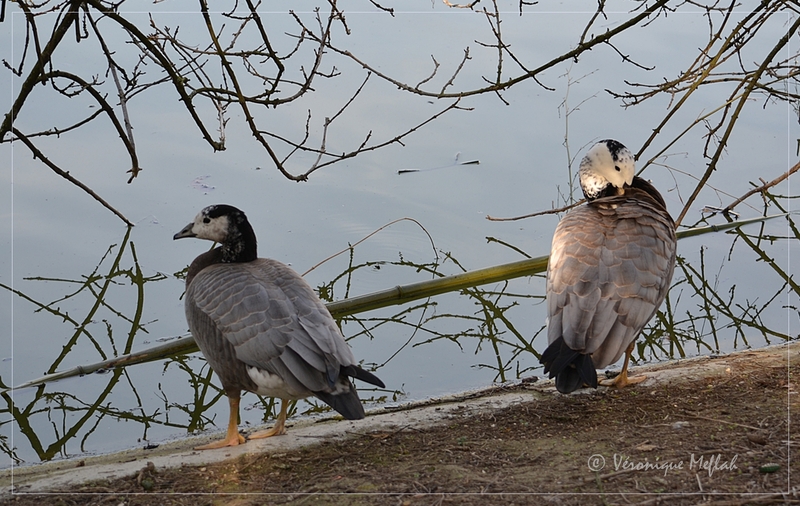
[
  {"x": 279, "y": 428},
  {"x": 622, "y": 380},
  {"x": 233, "y": 437}
]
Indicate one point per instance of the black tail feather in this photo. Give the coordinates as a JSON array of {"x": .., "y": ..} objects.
[
  {"x": 568, "y": 380},
  {"x": 356, "y": 372},
  {"x": 570, "y": 368},
  {"x": 346, "y": 404}
]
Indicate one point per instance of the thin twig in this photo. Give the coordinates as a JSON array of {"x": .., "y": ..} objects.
[
  {"x": 370, "y": 235},
  {"x": 699, "y": 417},
  {"x": 123, "y": 103},
  {"x": 762, "y": 188},
  {"x": 538, "y": 213}
]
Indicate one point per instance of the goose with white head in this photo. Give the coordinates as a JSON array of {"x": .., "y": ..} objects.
[
  {"x": 262, "y": 328},
  {"x": 611, "y": 265}
]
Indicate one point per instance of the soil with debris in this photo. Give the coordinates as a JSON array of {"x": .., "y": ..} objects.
[{"x": 722, "y": 439}]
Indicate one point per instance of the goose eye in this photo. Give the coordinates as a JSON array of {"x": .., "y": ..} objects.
[
  {"x": 207, "y": 220},
  {"x": 617, "y": 168}
]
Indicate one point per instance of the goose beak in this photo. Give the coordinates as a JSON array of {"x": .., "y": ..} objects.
[{"x": 185, "y": 232}]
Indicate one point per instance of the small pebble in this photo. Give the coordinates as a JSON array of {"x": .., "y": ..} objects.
[{"x": 757, "y": 438}]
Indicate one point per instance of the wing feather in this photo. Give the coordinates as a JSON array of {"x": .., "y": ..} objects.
[
  {"x": 610, "y": 265},
  {"x": 273, "y": 320}
]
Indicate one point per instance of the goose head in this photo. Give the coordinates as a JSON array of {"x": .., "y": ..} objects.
[
  {"x": 227, "y": 226},
  {"x": 606, "y": 169}
]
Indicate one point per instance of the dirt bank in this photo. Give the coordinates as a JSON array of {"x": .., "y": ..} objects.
[{"x": 709, "y": 430}]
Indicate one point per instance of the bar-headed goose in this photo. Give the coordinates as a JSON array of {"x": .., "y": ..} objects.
[
  {"x": 261, "y": 326},
  {"x": 611, "y": 265}
]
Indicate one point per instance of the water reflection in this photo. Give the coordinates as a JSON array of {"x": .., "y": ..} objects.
[
  {"x": 500, "y": 324},
  {"x": 64, "y": 414}
]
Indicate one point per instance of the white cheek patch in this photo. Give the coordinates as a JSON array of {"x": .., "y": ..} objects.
[{"x": 215, "y": 230}]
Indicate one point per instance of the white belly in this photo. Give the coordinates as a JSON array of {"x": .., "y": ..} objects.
[{"x": 271, "y": 385}]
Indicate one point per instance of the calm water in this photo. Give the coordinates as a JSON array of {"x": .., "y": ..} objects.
[{"x": 61, "y": 248}]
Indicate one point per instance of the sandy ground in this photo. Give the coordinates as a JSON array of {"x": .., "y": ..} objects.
[{"x": 706, "y": 430}]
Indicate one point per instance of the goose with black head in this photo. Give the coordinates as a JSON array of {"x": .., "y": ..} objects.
[
  {"x": 262, "y": 328},
  {"x": 610, "y": 268}
]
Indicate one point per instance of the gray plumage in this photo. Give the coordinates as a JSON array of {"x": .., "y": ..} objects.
[
  {"x": 259, "y": 324},
  {"x": 610, "y": 268}
]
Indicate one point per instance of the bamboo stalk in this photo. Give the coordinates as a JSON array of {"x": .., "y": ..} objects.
[
  {"x": 400, "y": 294},
  {"x": 406, "y": 293},
  {"x": 179, "y": 346}
]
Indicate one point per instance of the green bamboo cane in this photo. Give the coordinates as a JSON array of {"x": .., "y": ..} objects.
[{"x": 400, "y": 294}]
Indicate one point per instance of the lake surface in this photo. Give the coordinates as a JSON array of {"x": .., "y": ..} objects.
[{"x": 63, "y": 252}]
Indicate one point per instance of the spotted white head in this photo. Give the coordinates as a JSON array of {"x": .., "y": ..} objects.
[
  {"x": 607, "y": 163},
  {"x": 208, "y": 224},
  {"x": 226, "y": 225}
]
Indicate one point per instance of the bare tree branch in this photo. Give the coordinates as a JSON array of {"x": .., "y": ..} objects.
[
  {"x": 35, "y": 75},
  {"x": 238, "y": 63},
  {"x": 569, "y": 55},
  {"x": 749, "y": 88}
]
